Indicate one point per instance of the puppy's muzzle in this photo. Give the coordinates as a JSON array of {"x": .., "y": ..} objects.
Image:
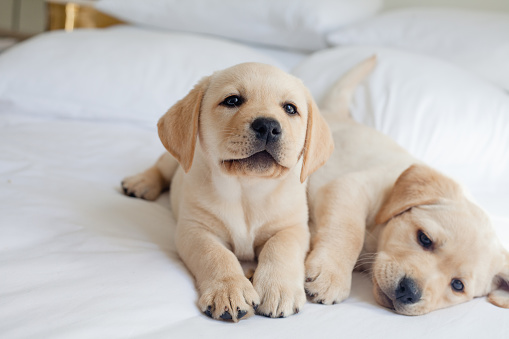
[
  {"x": 265, "y": 152},
  {"x": 267, "y": 130},
  {"x": 407, "y": 291}
]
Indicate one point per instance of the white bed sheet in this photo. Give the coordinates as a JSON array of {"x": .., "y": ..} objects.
[{"x": 81, "y": 260}]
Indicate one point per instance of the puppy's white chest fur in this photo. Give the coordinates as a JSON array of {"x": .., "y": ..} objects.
[
  {"x": 241, "y": 211},
  {"x": 242, "y": 233},
  {"x": 243, "y": 207}
]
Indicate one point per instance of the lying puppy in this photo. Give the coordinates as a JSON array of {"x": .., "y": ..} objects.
[
  {"x": 434, "y": 247},
  {"x": 246, "y": 139}
]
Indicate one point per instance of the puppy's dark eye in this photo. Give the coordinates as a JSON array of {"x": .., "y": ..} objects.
[
  {"x": 457, "y": 285},
  {"x": 290, "y": 109},
  {"x": 232, "y": 101},
  {"x": 424, "y": 240}
]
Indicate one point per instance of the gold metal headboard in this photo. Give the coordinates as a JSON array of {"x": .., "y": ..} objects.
[{"x": 69, "y": 15}]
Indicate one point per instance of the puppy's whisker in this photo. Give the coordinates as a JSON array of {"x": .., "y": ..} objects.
[
  {"x": 367, "y": 274},
  {"x": 369, "y": 234},
  {"x": 366, "y": 261},
  {"x": 364, "y": 267},
  {"x": 367, "y": 255}
]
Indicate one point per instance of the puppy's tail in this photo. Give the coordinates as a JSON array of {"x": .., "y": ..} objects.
[{"x": 337, "y": 101}]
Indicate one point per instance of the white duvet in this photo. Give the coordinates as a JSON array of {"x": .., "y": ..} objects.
[
  {"x": 78, "y": 259},
  {"x": 81, "y": 260}
]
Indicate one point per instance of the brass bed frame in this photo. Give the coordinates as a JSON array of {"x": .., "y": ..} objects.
[{"x": 69, "y": 15}]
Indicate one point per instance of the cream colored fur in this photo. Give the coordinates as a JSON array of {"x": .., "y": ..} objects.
[
  {"x": 367, "y": 207},
  {"x": 228, "y": 209}
]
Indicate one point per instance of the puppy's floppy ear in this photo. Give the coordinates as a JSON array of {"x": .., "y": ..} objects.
[
  {"x": 319, "y": 144},
  {"x": 178, "y": 128},
  {"x": 417, "y": 185},
  {"x": 500, "y": 296}
]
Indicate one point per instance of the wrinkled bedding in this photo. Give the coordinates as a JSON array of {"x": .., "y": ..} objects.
[{"x": 80, "y": 260}]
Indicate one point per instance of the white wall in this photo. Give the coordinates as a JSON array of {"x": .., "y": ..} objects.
[{"x": 497, "y": 5}]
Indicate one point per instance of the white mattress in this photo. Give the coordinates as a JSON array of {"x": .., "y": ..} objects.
[{"x": 81, "y": 260}]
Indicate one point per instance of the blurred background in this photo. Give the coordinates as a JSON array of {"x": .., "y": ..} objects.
[{"x": 28, "y": 17}]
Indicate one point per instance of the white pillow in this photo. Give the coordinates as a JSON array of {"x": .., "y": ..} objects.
[
  {"x": 440, "y": 113},
  {"x": 123, "y": 72},
  {"x": 477, "y": 41},
  {"x": 285, "y": 23}
]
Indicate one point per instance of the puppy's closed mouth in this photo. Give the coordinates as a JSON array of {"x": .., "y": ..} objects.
[
  {"x": 381, "y": 297},
  {"x": 259, "y": 164},
  {"x": 262, "y": 158}
]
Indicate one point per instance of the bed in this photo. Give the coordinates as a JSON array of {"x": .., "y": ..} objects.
[{"x": 77, "y": 113}]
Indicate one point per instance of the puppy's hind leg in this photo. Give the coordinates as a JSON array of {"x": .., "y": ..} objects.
[{"x": 150, "y": 183}]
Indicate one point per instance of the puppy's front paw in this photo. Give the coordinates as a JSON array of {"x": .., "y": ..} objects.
[
  {"x": 280, "y": 296},
  {"x": 232, "y": 298},
  {"x": 326, "y": 281},
  {"x": 144, "y": 185}
]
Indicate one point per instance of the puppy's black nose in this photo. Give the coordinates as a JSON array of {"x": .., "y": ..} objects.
[
  {"x": 408, "y": 292},
  {"x": 266, "y": 129}
]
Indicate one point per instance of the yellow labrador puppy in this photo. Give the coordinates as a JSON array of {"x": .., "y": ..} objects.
[
  {"x": 427, "y": 245},
  {"x": 246, "y": 139}
]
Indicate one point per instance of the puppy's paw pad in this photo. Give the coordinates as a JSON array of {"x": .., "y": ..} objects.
[
  {"x": 229, "y": 299},
  {"x": 240, "y": 313},
  {"x": 327, "y": 284},
  {"x": 142, "y": 185},
  {"x": 226, "y": 316},
  {"x": 208, "y": 311}
]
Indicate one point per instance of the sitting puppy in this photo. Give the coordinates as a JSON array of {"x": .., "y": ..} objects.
[
  {"x": 425, "y": 243},
  {"x": 246, "y": 139}
]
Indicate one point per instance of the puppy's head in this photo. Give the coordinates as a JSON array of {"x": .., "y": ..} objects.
[
  {"x": 437, "y": 248},
  {"x": 251, "y": 120}
]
